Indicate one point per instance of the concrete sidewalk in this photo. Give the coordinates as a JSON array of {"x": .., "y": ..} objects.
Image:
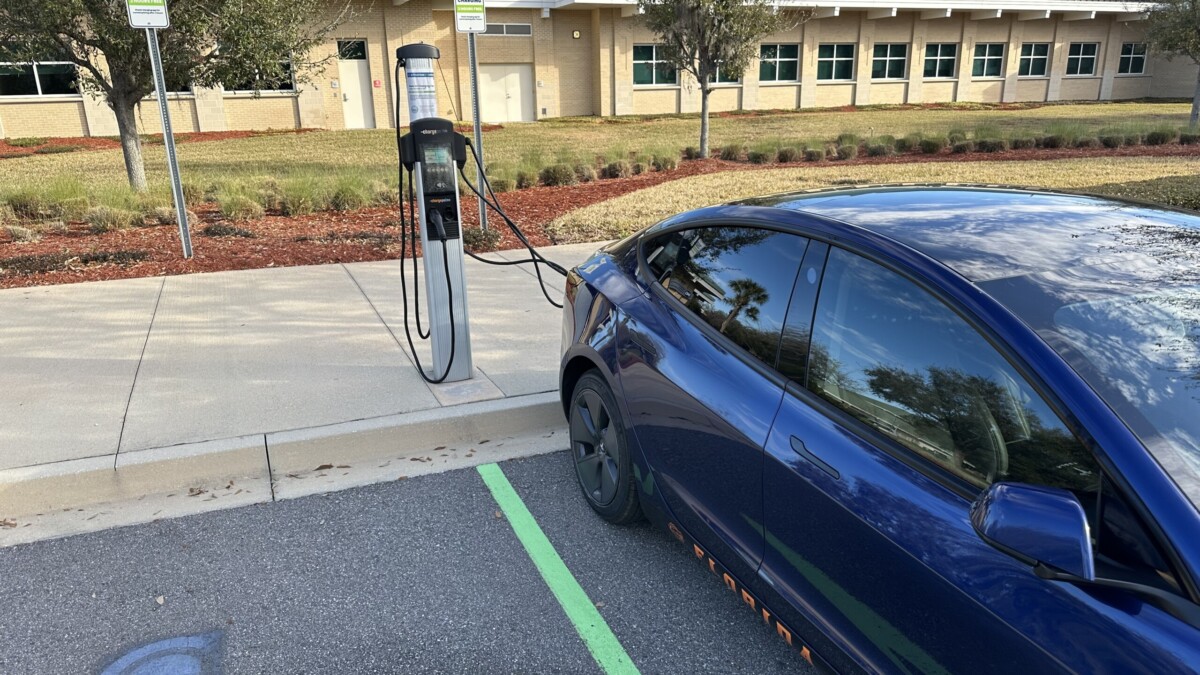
[{"x": 237, "y": 386}]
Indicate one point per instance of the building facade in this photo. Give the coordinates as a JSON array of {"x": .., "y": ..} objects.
[{"x": 557, "y": 58}]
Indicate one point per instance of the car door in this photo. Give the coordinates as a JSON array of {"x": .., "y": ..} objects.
[
  {"x": 897, "y": 414},
  {"x": 695, "y": 355}
]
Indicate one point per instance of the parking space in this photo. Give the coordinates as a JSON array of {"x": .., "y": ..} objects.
[{"x": 419, "y": 575}]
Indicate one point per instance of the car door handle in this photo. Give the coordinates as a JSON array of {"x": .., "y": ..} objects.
[{"x": 799, "y": 447}]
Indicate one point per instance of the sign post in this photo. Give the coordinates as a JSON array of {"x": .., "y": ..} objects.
[
  {"x": 152, "y": 15},
  {"x": 470, "y": 17}
]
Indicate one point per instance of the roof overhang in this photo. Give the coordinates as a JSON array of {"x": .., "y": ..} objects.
[{"x": 1072, "y": 10}]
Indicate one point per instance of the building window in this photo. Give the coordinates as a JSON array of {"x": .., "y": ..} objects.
[
  {"x": 509, "y": 29},
  {"x": 835, "y": 62},
  {"x": 890, "y": 62},
  {"x": 649, "y": 68},
  {"x": 779, "y": 63},
  {"x": 1035, "y": 59},
  {"x": 284, "y": 83},
  {"x": 941, "y": 59},
  {"x": 989, "y": 60},
  {"x": 37, "y": 78},
  {"x": 725, "y": 76},
  {"x": 1081, "y": 59},
  {"x": 1133, "y": 58}
]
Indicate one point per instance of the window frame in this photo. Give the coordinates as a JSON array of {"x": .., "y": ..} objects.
[
  {"x": 653, "y": 66},
  {"x": 938, "y": 59},
  {"x": 1131, "y": 58},
  {"x": 777, "y": 60},
  {"x": 888, "y": 59},
  {"x": 293, "y": 91},
  {"x": 504, "y": 30},
  {"x": 835, "y": 60},
  {"x": 1079, "y": 59},
  {"x": 987, "y": 58},
  {"x": 716, "y": 80},
  {"x": 1033, "y": 57},
  {"x": 37, "y": 80}
]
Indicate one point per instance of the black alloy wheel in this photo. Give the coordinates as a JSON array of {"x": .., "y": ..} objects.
[{"x": 600, "y": 453}]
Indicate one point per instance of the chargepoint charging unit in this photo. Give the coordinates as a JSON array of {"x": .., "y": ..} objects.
[{"x": 433, "y": 154}]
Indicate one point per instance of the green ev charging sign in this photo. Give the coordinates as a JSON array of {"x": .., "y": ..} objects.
[
  {"x": 148, "y": 13},
  {"x": 469, "y": 16}
]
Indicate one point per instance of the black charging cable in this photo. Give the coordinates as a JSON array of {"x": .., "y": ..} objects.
[{"x": 408, "y": 228}]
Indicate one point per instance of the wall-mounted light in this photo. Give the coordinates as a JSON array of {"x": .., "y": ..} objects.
[{"x": 545, "y": 12}]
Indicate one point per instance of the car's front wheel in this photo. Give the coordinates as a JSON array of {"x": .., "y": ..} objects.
[{"x": 601, "y": 455}]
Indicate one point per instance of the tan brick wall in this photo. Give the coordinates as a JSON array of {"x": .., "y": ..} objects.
[
  {"x": 43, "y": 118},
  {"x": 1132, "y": 87},
  {"x": 183, "y": 115},
  {"x": 889, "y": 92},
  {"x": 1032, "y": 89},
  {"x": 778, "y": 96},
  {"x": 575, "y": 59},
  {"x": 939, "y": 90},
  {"x": 832, "y": 95},
  {"x": 1080, "y": 89},
  {"x": 655, "y": 101},
  {"x": 721, "y": 99},
  {"x": 244, "y": 112}
]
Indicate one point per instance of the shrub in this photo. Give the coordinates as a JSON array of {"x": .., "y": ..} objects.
[
  {"x": 585, "y": 173},
  {"x": 383, "y": 194},
  {"x": 847, "y": 151},
  {"x": 222, "y": 230},
  {"x": 347, "y": 198},
  {"x": 1189, "y": 138},
  {"x": 691, "y": 153},
  {"x": 193, "y": 194},
  {"x": 21, "y": 234},
  {"x": 501, "y": 184},
  {"x": 956, "y": 136},
  {"x": 7, "y": 215},
  {"x": 618, "y": 169},
  {"x": 478, "y": 240},
  {"x": 1023, "y": 143},
  {"x": 909, "y": 143},
  {"x": 1134, "y": 138},
  {"x": 57, "y": 149},
  {"x": 557, "y": 174},
  {"x": 847, "y": 139},
  {"x": 963, "y": 147},
  {"x": 27, "y": 142},
  {"x": 759, "y": 157},
  {"x": 105, "y": 219},
  {"x": 1112, "y": 141},
  {"x": 28, "y": 205},
  {"x": 788, "y": 154},
  {"x": 991, "y": 145},
  {"x": 1160, "y": 137},
  {"x": 1054, "y": 141},
  {"x": 165, "y": 215},
  {"x": 240, "y": 208},
  {"x": 70, "y": 208},
  {"x": 638, "y": 169},
  {"x": 270, "y": 200},
  {"x": 55, "y": 227},
  {"x": 1087, "y": 142},
  {"x": 664, "y": 162},
  {"x": 732, "y": 152},
  {"x": 880, "y": 150},
  {"x": 933, "y": 145},
  {"x": 296, "y": 204},
  {"x": 814, "y": 155},
  {"x": 526, "y": 179}
]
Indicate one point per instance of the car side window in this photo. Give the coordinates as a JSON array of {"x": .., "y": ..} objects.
[
  {"x": 892, "y": 355},
  {"x": 736, "y": 279}
]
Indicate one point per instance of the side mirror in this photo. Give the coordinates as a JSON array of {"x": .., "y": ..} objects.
[{"x": 1041, "y": 526}]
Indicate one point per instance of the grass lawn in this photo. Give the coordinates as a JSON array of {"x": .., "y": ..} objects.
[
  {"x": 1144, "y": 177},
  {"x": 328, "y": 157}
]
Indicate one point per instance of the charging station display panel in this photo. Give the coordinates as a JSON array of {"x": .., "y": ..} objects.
[{"x": 437, "y": 167}]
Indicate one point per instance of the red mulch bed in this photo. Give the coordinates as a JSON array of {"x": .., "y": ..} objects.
[{"x": 372, "y": 234}]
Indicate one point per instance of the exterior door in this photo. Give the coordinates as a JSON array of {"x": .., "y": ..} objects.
[
  {"x": 354, "y": 73},
  {"x": 693, "y": 352},
  {"x": 900, "y": 415},
  {"x": 506, "y": 92}
]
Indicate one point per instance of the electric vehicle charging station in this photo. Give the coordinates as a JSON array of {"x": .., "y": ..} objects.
[{"x": 432, "y": 152}]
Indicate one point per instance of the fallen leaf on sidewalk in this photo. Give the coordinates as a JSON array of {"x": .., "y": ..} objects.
[
  {"x": 5, "y": 522},
  {"x": 323, "y": 467},
  {"x": 160, "y": 599},
  {"x": 440, "y": 447},
  {"x": 196, "y": 492},
  {"x": 343, "y": 466},
  {"x": 599, "y": 604},
  {"x": 499, "y": 515},
  {"x": 484, "y": 441}
]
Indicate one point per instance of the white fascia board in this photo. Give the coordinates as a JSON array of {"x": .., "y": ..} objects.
[{"x": 1127, "y": 10}]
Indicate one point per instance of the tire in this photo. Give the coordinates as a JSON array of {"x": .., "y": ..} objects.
[{"x": 600, "y": 452}]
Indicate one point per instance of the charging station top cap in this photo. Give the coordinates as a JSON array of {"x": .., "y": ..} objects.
[{"x": 419, "y": 50}]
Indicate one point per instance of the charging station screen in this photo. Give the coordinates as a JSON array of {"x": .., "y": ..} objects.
[{"x": 437, "y": 167}]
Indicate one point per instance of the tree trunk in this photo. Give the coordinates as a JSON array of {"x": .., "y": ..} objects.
[
  {"x": 131, "y": 143},
  {"x": 1194, "y": 120},
  {"x": 703, "y": 121}
]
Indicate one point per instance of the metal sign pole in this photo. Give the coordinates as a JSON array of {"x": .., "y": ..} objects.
[
  {"x": 479, "y": 172},
  {"x": 160, "y": 84}
]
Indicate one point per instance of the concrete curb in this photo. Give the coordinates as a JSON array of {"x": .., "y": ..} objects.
[{"x": 54, "y": 500}]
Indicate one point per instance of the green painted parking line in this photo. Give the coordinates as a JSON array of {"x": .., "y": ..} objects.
[{"x": 596, "y": 634}]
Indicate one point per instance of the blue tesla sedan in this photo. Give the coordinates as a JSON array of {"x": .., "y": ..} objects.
[{"x": 937, "y": 429}]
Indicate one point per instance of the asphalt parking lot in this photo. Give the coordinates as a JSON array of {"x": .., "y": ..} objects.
[{"x": 423, "y": 575}]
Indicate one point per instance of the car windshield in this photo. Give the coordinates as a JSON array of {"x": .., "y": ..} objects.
[{"x": 1132, "y": 331}]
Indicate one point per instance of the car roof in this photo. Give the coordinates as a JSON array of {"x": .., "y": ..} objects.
[{"x": 986, "y": 233}]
